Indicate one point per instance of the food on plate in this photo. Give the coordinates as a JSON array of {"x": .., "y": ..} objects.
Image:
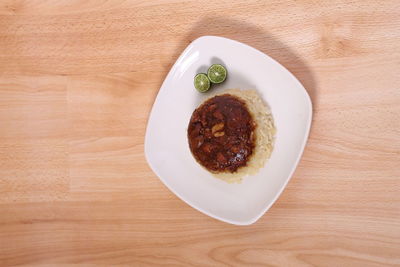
[
  {"x": 221, "y": 133},
  {"x": 201, "y": 82},
  {"x": 231, "y": 134},
  {"x": 216, "y": 74}
]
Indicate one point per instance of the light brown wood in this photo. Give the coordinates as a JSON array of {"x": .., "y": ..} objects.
[{"x": 77, "y": 82}]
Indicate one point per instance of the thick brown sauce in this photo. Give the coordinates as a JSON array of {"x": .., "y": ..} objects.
[{"x": 220, "y": 134}]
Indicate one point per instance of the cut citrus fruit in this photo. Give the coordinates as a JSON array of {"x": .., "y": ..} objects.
[
  {"x": 201, "y": 82},
  {"x": 217, "y": 73}
]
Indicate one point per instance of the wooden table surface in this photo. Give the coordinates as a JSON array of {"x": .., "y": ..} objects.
[{"x": 78, "y": 80}]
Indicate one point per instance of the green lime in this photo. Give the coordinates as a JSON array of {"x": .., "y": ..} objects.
[
  {"x": 201, "y": 82},
  {"x": 217, "y": 73}
]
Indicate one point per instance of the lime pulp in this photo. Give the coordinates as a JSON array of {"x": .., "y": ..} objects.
[
  {"x": 217, "y": 73},
  {"x": 201, "y": 82}
]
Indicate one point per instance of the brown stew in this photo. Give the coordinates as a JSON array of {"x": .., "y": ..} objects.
[{"x": 221, "y": 134}]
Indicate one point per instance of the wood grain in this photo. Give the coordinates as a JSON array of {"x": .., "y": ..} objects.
[{"x": 77, "y": 82}]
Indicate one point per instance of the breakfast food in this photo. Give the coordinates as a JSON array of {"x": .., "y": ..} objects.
[{"x": 231, "y": 134}]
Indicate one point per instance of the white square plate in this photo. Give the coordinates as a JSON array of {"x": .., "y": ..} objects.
[{"x": 166, "y": 145}]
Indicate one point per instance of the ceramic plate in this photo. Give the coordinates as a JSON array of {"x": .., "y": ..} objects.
[{"x": 166, "y": 144}]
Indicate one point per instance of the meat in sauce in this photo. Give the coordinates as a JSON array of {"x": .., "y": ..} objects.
[{"x": 221, "y": 134}]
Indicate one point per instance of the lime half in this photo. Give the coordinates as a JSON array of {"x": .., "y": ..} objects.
[
  {"x": 217, "y": 73},
  {"x": 201, "y": 82}
]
